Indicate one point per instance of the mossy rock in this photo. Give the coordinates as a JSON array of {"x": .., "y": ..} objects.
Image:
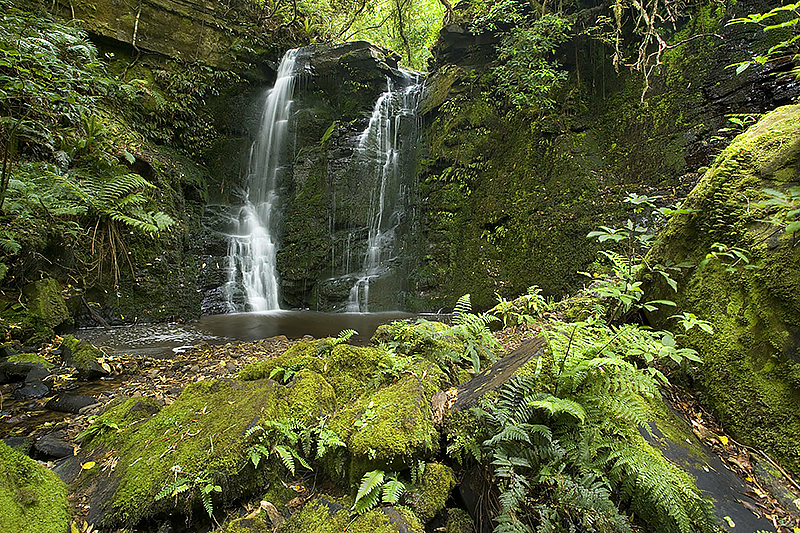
[
  {"x": 438, "y": 481},
  {"x": 30, "y": 358},
  {"x": 32, "y": 498},
  {"x": 749, "y": 372},
  {"x": 83, "y": 356},
  {"x": 246, "y": 525},
  {"x": 350, "y": 370},
  {"x": 326, "y": 515},
  {"x": 459, "y": 521},
  {"x": 46, "y": 310},
  {"x": 387, "y": 428},
  {"x": 202, "y": 435}
]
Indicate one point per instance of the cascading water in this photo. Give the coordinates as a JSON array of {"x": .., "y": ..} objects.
[
  {"x": 252, "y": 247},
  {"x": 384, "y": 151}
]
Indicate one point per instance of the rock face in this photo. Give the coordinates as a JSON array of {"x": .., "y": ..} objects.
[
  {"x": 326, "y": 198},
  {"x": 751, "y": 370},
  {"x": 193, "y": 30},
  {"x": 509, "y": 195}
]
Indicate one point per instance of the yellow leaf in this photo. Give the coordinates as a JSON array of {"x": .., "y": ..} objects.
[
  {"x": 724, "y": 440},
  {"x": 88, "y": 465},
  {"x": 73, "y": 528},
  {"x": 729, "y": 520}
]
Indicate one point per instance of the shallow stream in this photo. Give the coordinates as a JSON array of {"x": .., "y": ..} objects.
[{"x": 161, "y": 340}]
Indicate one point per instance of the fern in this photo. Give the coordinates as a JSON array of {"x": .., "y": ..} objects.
[
  {"x": 564, "y": 442},
  {"x": 392, "y": 490},
  {"x": 369, "y": 491}
]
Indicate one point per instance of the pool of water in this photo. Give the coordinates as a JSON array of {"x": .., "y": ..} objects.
[{"x": 161, "y": 340}]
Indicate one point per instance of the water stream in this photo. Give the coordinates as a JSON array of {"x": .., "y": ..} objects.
[
  {"x": 253, "y": 244},
  {"x": 385, "y": 149}
]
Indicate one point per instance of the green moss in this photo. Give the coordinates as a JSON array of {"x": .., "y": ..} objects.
[
  {"x": 246, "y": 525},
  {"x": 32, "y": 498},
  {"x": 310, "y": 397},
  {"x": 350, "y": 370},
  {"x": 748, "y": 365},
  {"x": 438, "y": 481},
  {"x": 44, "y": 301},
  {"x": 83, "y": 355},
  {"x": 393, "y": 424},
  {"x": 45, "y": 310},
  {"x": 459, "y": 521},
  {"x": 325, "y": 516},
  {"x": 201, "y": 432},
  {"x": 30, "y": 358}
]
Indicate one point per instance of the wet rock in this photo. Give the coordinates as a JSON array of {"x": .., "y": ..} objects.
[
  {"x": 84, "y": 357},
  {"x": 15, "y": 371},
  {"x": 70, "y": 403},
  {"x": 54, "y": 445},
  {"x": 21, "y": 444},
  {"x": 30, "y": 391}
]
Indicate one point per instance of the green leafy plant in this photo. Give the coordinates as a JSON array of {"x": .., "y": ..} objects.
[
  {"x": 732, "y": 258},
  {"x": 201, "y": 483},
  {"x": 526, "y": 74},
  {"x": 279, "y": 438},
  {"x": 327, "y": 345},
  {"x": 784, "y": 19},
  {"x": 377, "y": 486},
  {"x": 564, "y": 444},
  {"x": 98, "y": 428},
  {"x": 467, "y": 342},
  {"x": 520, "y": 311},
  {"x": 788, "y": 204},
  {"x": 479, "y": 343},
  {"x": 624, "y": 285},
  {"x": 739, "y": 122}
]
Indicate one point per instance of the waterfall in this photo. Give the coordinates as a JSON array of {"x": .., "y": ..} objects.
[
  {"x": 252, "y": 244},
  {"x": 385, "y": 149}
]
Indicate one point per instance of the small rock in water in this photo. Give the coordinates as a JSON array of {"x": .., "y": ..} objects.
[
  {"x": 54, "y": 445},
  {"x": 32, "y": 390},
  {"x": 69, "y": 403}
]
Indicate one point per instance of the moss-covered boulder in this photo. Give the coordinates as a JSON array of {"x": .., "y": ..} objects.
[
  {"x": 46, "y": 310},
  {"x": 384, "y": 419},
  {"x": 438, "y": 481},
  {"x": 84, "y": 357},
  {"x": 325, "y": 515},
  {"x": 393, "y": 426},
  {"x": 199, "y": 441},
  {"x": 750, "y": 369},
  {"x": 32, "y": 498}
]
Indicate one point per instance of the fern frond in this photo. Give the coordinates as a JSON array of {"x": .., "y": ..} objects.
[
  {"x": 463, "y": 307},
  {"x": 173, "y": 488},
  {"x": 509, "y": 433},
  {"x": 556, "y": 406},
  {"x": 392, "y": 490},
  {"x": 286, "y": 456},
  {"x": 369, "y": 491}
]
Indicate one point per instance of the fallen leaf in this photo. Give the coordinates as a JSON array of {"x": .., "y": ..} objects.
[
  {"x": 88, "y": 465},
  {"x": 729, "y": 521},
  {"x": 724, "y": 440}
]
